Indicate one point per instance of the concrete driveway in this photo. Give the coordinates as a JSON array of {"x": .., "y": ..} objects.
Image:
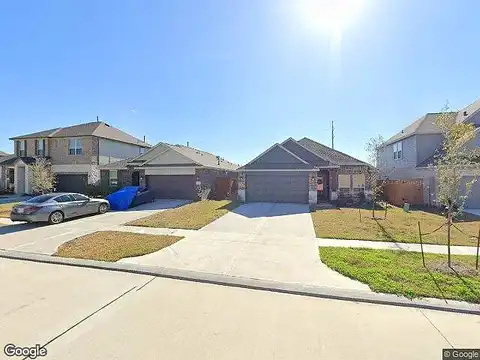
[
  {"x": 259, "y": 240},
  {"x": 266, "y": 219},
  {"x": 45, "y": 239}
]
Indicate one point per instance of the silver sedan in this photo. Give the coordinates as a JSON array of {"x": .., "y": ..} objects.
[{"x": 56, "y": 207}]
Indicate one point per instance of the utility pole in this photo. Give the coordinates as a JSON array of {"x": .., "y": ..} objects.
[{"x": 333, "y": 136}]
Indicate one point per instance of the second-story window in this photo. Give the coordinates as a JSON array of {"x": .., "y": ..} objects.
[
  {"x": 22, "y": 146},
  {"x": 75, "y": 147},
  {"x": 40, "y": 147},
  {"x": 397, "y": 150}
]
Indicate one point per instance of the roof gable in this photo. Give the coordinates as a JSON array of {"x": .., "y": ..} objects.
[
  {"x": 276, "y": 155},
  {"x": 305, "y": 153},
  {"x": 170, "y": 157},
  {"x": 194, "y": 156},
  {"x": 425, "y": 125}
]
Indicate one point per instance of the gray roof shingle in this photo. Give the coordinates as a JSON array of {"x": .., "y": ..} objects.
[
  {"x": 205, "y": 158},
  {"x": 95, "y": 128},
  {"x": 468, "y": 111},
  {"x": 425, "y": 125},
  {"x": 334, "y": 156},
  {"x": 202, "y": 158}
]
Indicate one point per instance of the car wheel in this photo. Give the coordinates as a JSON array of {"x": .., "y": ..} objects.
[
  {"x": 55, "y": 218},
  {"x": 102, "y": 208}
]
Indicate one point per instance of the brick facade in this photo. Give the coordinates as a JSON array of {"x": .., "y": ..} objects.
[{"x": 59, "y": 151}]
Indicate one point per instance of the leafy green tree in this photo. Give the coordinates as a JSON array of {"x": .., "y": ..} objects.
[{"x": 43, "y": 179}]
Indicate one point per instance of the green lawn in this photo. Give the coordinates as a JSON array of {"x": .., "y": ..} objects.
[
  {"x": 5, "y": 209},
  {"x": 402, "y": 273},
  {"x": 191, "y": 216},
  {"x": 399, "y": 226},
  {"x": 114, "y": 245}
]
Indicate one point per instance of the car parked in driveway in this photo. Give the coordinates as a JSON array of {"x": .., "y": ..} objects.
[
  {"x": 56, "y": 207},
  {"x": 143, "y": 196}
]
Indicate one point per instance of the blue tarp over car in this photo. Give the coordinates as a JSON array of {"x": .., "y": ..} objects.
[{"x": 122, "y": 199}]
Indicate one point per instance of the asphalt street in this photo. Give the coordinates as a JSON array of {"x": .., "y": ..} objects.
[{"x": 79, "y": 314}]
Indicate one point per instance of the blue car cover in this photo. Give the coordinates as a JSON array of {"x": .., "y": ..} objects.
[{"x": 122, "y": 199}]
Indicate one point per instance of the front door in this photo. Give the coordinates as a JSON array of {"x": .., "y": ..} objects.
[
  {"x": 135, "y": 178},
  {"x": 322, "y": 186}
]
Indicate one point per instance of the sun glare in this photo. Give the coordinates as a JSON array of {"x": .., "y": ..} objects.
[{"x": 332, "y": 16}]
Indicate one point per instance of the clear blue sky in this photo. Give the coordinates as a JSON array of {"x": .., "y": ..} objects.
[{"x": 233, "y": 77}]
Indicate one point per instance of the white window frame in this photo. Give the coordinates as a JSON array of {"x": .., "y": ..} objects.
[
  {"x": 77, "y": 146},
  {"x": 39, "y": 148},
  {"x": 398, "y": 150},
  {"x": 22, "y": 148},
  {"x": 349, "y": 181},
  {"x": 358, "y": 182}
]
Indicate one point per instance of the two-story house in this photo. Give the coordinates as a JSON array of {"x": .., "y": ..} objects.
[
  {"x": 408, "y": 154},
  {"x": 75, "y": 152}
]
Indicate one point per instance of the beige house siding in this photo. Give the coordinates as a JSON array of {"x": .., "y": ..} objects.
[
  {"x": 59, "y": 151},
  {"x": 111, "y": 151}
]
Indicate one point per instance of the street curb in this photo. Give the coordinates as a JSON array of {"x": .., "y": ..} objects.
[{"x": 249, "y": 283}]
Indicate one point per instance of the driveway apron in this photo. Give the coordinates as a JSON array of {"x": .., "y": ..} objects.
[{"x": 257, "y": 240}]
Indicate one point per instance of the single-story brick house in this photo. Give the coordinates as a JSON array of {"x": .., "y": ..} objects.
[
  {"x": 172, "y": 172},
  {"x": 302, "y": 171}
]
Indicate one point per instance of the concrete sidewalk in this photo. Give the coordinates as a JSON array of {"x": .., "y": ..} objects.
[{"x": 321, "y": 242}]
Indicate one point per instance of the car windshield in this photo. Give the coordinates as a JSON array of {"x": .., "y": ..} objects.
[{"x": 40, "y": 199}]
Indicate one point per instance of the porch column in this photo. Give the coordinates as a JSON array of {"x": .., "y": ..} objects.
[
  {"x": 28, "y": 173},
  {"x": 333, "y": 185},
  {"x": 312, "y": 188},
  {"x": 15, "y": 180},
  {"x": 241, "y": 186}
]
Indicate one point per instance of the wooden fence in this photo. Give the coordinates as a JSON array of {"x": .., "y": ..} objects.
[{"x": 397, "y": 192}]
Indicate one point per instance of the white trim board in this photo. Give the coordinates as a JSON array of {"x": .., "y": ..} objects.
[
  {"x": 169, "y": 171},
  {"x": 72, "y": 168}
]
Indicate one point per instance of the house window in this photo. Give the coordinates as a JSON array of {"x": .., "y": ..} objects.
[
  {"x": 40, "y": 147},
  {"x": 113, "y": 177},
  {"x": 397, "y": 150},
  {"x": 358, "y": 182},
  {"x": 22, "y": 146},
  {"x": 344, "y": 183},
  {"x": 75, "y": 147}
]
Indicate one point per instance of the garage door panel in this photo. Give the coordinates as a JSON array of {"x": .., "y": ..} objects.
[
  {"x": 172, "y": 186},
  {"x": 71, "y": 182},
  {"x": 473, "y": 200},
  {"x": 277, "y": 187}
]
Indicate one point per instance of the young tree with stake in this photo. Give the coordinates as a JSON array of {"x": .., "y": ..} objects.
[
  {"x": 453, "y": 161},
  {"x": 377, "y": 174}
]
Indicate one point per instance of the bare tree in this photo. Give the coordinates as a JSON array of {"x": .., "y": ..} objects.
[
  {"x": 377, "y": 173},
  {"x": 43, "y": 179},
  {"x": 452, "y": 162}
]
